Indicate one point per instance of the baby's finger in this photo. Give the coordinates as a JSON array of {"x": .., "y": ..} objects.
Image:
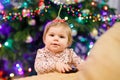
[
  {"x": 68, "y": 68},
  {"x": 63, "y": 69}
]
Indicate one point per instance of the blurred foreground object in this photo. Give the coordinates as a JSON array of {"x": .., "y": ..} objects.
[{"x": 103, "y": 63}]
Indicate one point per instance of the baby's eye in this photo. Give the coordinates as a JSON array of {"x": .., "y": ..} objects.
[
  {"x": 51, "y": 35},
  {"x": 62, "y": 36}
]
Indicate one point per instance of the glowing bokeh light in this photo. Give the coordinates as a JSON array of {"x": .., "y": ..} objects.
[{"x": 12, "y": 74}]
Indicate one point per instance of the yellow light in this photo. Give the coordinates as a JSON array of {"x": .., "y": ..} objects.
[
  {"x": 12, "y": 75},
  {"x": 98, "y": 15},
  {"x": 10, "y": 14},
  {"x": 90, "y": 17},
  {"x": 93, "y": 20},
  {"x": 99, "y": 19},
  {"x": 93, "y": 3},
  {"x": 66, "y": 18}
]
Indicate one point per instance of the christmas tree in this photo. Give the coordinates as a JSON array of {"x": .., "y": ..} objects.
[{"x": 22, "y": 24}]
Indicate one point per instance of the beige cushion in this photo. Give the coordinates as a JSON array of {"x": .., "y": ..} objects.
[
  {"x": 103, "y": 63},
  {"x": 52, "y": 76}
]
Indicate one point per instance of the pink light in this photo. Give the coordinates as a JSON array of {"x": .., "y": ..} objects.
[
  {"x": 0, "y": 45},
  {"x": 0, "y": 27},
  {"x": 21, "y": 73},
  {"x": 29, "y": 69},
  {"x": 1, "y": 7},
  {"x": 19, "y": 69}
]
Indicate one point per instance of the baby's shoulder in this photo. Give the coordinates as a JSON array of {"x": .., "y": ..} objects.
[
  {"x": 41, "y": 50},
  {"x": 70, "y": 50}
]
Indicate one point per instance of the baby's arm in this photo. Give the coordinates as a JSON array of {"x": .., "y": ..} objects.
[
  {"x": 76, "y": 60},
  {"x": 43, "y": 65}
]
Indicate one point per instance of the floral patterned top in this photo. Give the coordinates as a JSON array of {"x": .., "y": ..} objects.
[{"x": 45, "y": 60}]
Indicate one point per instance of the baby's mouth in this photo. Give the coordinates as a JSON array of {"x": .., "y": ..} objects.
[{"x": 55, "y": 44}]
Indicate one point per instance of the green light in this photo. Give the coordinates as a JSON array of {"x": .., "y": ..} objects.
[
  {"x": 8, "y": 43},
  {"x": 80, "y": 19},
  {"x": 71, "y": 25},
  {"x": 25, "y": 4}
]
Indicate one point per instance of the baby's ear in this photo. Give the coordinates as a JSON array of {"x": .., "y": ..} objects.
[{"x": 68, "y": 44}]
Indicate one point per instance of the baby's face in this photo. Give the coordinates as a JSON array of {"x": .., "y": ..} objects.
[{"x": 56, "y": 39}]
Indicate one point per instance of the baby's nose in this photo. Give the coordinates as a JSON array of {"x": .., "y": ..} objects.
[{"x": 56, "y": 38}]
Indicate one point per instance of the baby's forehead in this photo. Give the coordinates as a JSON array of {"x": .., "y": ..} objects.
[
  {"x": 59, "y": 30},
  {"x": 60, "y": 27}
]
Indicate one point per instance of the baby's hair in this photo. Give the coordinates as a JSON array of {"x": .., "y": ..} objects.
[{"x": 56, "y": 23}]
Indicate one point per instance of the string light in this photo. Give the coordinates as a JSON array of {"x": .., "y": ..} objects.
[
  {"x": 91, "y": 45},
  {"x": 93, "y": 3},
  {"x": 12, "y": 74},
  {"x": 0, "y": 27},
  {"x": 29, "y": 69},
  {"x": 105, "y": 7},
  {"x": 0, "y": 45},
  {"x": 29, "y": 12},
  {"x": 19, "y": 69}
]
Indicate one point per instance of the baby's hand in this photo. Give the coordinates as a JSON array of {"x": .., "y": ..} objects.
[
  {"x": 62, "y": 67},
  {"x": 74, "y": 70}
]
